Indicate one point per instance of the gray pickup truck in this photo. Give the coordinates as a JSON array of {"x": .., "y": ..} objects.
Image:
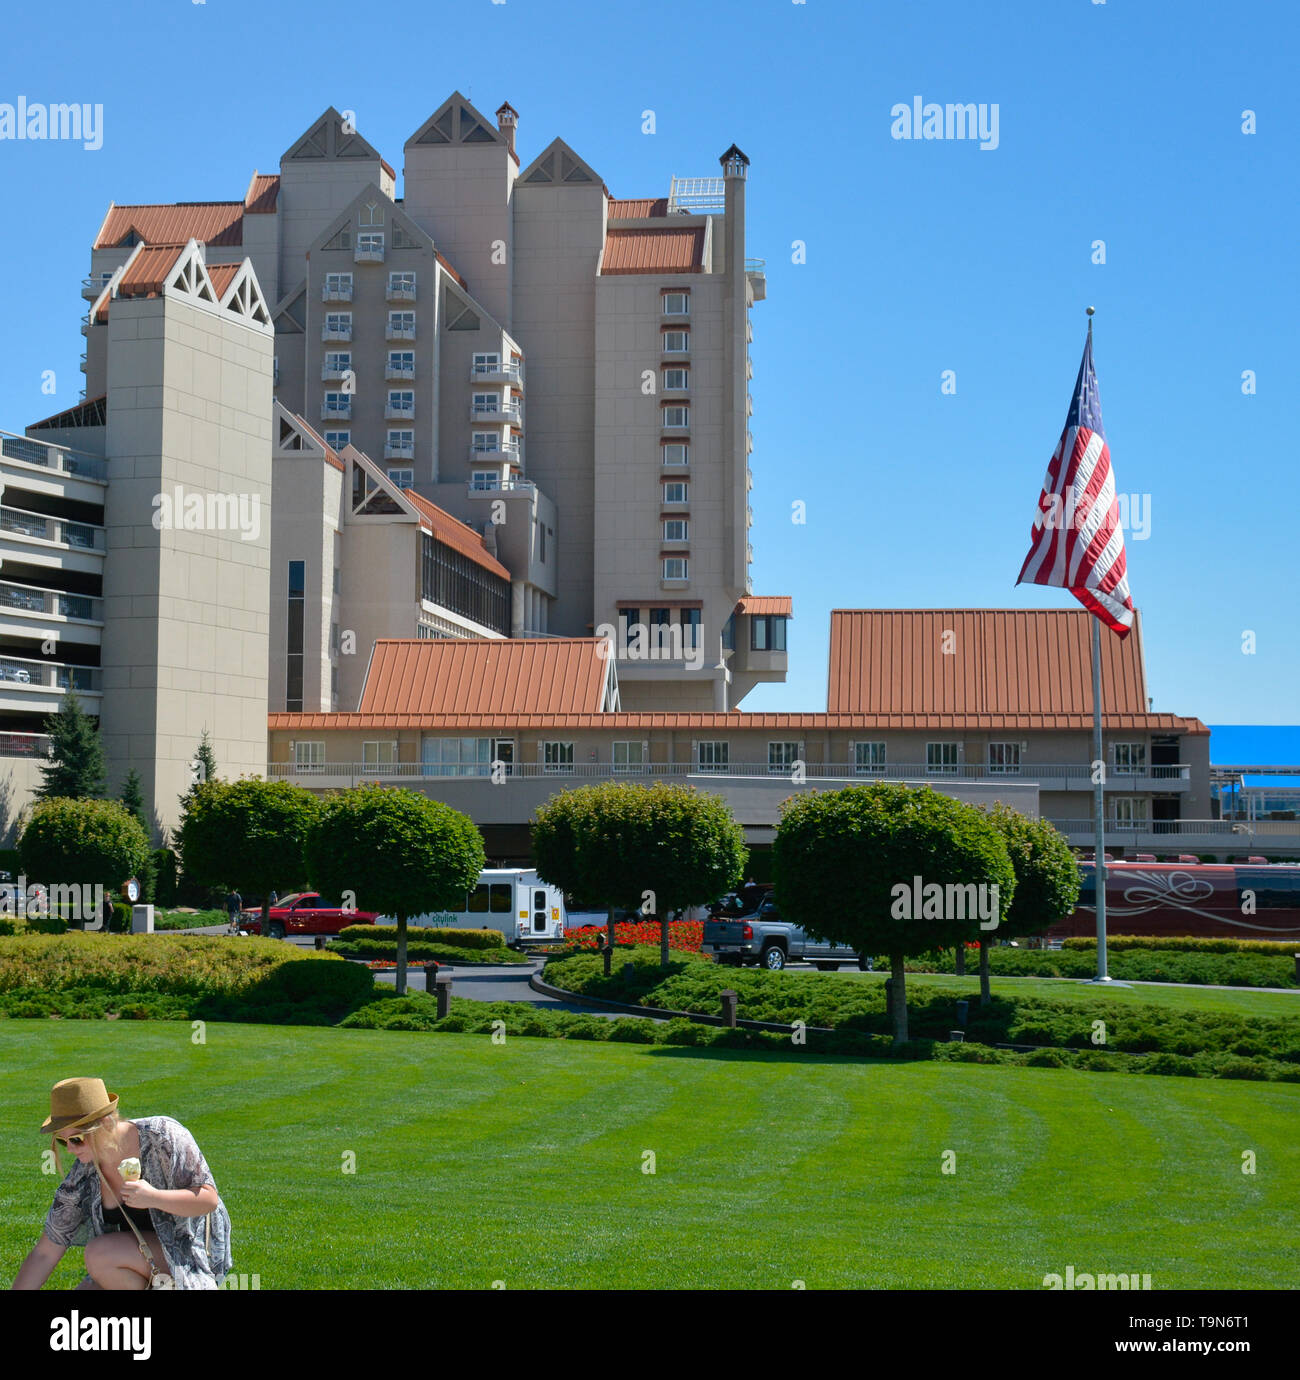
[{"x": 766, "y": 939}]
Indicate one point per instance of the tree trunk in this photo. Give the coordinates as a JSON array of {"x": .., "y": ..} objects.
[
  {"x": 401, "y": 956},
  {"x": 898, "y": 996},
  {"x": 663, "y": 939},
  {"x": 266, "y": 915},
  {"x": 984, "y": 973},
  {"x": 959, "y": 960},
  {"x": 609, "y": 941}
]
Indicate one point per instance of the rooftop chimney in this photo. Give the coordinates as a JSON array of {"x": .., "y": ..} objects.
[{"x": 507, "y": 118}]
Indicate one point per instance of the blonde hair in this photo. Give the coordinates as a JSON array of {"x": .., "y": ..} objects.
[{"x": 108, "y": 1123}]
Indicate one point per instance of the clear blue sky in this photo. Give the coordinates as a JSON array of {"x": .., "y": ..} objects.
[{"x": 1119, "y": 122}]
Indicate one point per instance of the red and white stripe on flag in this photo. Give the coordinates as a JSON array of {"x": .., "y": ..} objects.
[{"x": 1077, "y": 542}]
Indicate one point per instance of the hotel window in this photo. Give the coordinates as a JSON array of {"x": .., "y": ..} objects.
[
  {"x": 338, "y": 580},
  {"x": 456, "y": 756},
  {"x": 541, "y": 542},
  {"x": 402, "y": 478},
  {"x": 676, "y": 303},
  {"x": 868, "y": 758},
  {"x": 486, "y": 404},
  {"x": 1004, "y": 759},
  {"x": 557, "y": 757},
  {"x": 401, "y": 324},
  {"x": 629, "y": 757},
  {"x": 628, "y": 619},
  {"x": 309, "y": 757},
  {"x": 676, "y": 342},
  {"x": 334, "y": 687},
  {"x": 676, "y": 379},
  {"x": 676, "y": 414},
  {"x": 675, "y": 453},
  {"x": 370, "y": 242},
  {"x": 338, "y": 405},
  {"x": 338, "y": 440},
  {"x": 941, "y": 759},
  {"x": 401, "y": 401},
  {"x": 676, "y": 568},
  {"x": 767, "y": 633},
  {"x": 1130, "y": 813},
  {"x": 675, "y": 491},
  {"x": 713, "y": 756},
  {"x": 729, "y": 634},
  {"x": 338, "y": 287},
  {"x": 1130, "y": 759},
  {"x": 338, "y": 361},
  {"x": 486, "y": 441},
  {"x": 403, "y": 441},
  {"x": 675, "y": 529},
  {"x": 294, "y": 642},
  {"x": 691, "y": 628},
  {"x": 487, "y": 363},
  {"x": 339, "y": 323},
  {"x": 485, "y": 479},
  {"x": 334, "y": 639},
  {"x": 378, "y": 754},
  {"x": 401, "y": 283},
  {"x": 370, "y": 214},
  {"x": 781, "y": 757},
  {"x": 401, "y": 361}
]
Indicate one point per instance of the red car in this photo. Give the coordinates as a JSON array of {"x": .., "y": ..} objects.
[{"x": 305, "y": 912}]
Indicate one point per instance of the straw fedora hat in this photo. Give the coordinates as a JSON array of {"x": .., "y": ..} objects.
[{"x": 77, "y": 1101}]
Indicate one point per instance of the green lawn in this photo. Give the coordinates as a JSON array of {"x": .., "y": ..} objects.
[
  {"x": 523, "y": 1162},
  {"x": 1244, "y": 1001}
]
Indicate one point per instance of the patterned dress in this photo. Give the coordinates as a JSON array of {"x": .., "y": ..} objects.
[{"x": 169, "y": 1158}]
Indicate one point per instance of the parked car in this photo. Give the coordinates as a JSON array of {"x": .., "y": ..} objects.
[
  {"x": 762, "y": 937},
  {"x": 305, "y": 912}
]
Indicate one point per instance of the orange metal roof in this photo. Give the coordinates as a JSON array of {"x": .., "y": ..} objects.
[
  {"x": 441, "y": 258},
  {"x": 637, "y": 208},
  {"x": 456, "y": 534},
  {"x": 214, "y": 222},
  {"x": 222, "y": 276},
  {"x": 778, "y": 604},
  {"x": 262, "y": 195},
  {"x": 1018, "y": 662},
  {"x": 452, "y": 678},
  {"x": 654, "y": 251},
  {"x": 147, "y": 272},
  {"x": 388, "y": 168},
  {"x": 331, "y": 456},
  {"x": 738, "y": 721}
]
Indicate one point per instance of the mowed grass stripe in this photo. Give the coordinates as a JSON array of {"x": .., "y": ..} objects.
[{"x": 522, "y": 1162}]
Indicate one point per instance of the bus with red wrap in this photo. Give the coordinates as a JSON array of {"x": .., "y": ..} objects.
[{"x": 1205, "y": 900}]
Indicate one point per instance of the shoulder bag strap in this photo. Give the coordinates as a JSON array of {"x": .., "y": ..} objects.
[{"x": 144, "y": 1249}]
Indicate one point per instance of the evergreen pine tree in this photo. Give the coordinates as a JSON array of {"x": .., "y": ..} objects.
[
  {"x": 132, "y": 796},
  {"x": 76, "y": 769},
  {"x": 205, "y": 771}
]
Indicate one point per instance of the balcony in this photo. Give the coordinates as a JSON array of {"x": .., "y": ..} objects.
[
  {"x": 335, "y": 412},
  {"x": 478, "y": 412},
  {"x": 81, "y": 536},
  {"x": 756, "y": 278},
  {"x": 53, "y": 603},
  {"x": 1172, "y": 836},
  {"x": 393, "y": 372},
  {"x": 81, "y": 363},
  {"x": 400, "y": 292},
  {"x": 336, "y": 292},
  {"x": 399, "y": 412},
  {"x": 343, "y": 333},
  {"x": 496, "y": 372},
  {"x": 399, "y": 452},
  {"x": 509, "y": 451},
  {"x": 91, "y": 287},
  {"x": 50, "y": 675},
  {"x": 392, "y": 332},
  {"x": 86, "y": 324},
  {"x": 368, "y": 251},
  {"x": 29, "y": 452},
  {"x": 331, "y": 373}
]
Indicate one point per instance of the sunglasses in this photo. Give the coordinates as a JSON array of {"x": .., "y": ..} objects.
[{"x": 75, "y": 1142}]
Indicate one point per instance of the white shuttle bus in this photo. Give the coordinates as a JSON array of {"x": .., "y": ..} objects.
[{"x": 513, "y": 900}]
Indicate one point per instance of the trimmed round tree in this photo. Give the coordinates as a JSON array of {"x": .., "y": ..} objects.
[
  {"x": 394, "y": 852},
  {"x": 655, "y": 848},
  {"x": 247, "y": 834},
  {"x": 1047, "y": 880},
  {"x": 82, "y": 843},
  {"x": 888, "y": 869}
]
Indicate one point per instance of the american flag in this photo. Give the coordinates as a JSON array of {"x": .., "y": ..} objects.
[{"x": 1077, "y": 542}]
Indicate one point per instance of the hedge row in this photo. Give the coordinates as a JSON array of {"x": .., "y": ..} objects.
[
  {"x": 1248, "y": 969},
  {"x": 1190, "y": 944},
  {"x": 417, "y": 951},
  {"x": 853, "y": 1004},
  {"x": 456, "y": 939},
  {"x": 419, "y": 1012}
]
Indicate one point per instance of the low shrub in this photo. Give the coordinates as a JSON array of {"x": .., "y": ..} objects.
[
  {"x": 417, "y": 951},
  {"x": 416, "y": 934},
  {"x": 1116, "y": 943}
]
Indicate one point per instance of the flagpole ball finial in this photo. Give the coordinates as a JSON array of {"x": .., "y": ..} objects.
[{"x": 1092, "y": 311}]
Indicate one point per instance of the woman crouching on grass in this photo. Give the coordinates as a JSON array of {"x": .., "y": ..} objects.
[{"x": 140, "y": 1198}]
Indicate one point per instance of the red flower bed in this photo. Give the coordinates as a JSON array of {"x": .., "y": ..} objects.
[{"x": 682, "y": 934}]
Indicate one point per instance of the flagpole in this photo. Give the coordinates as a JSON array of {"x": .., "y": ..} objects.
[{"x": 1098, "y": 796}]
